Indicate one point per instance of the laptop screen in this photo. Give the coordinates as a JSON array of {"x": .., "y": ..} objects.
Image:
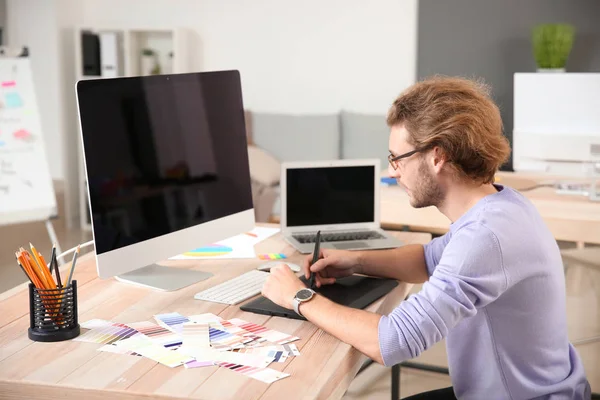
[{"x": 330, "y": 195}]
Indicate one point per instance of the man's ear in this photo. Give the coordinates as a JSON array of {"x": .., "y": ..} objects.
[{"x": 438, "y": 159}]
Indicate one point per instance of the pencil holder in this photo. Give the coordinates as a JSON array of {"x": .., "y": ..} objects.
[{"x": 53, "y": 313}]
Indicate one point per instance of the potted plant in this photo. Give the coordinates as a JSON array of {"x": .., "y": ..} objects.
[
  {"x": 552, "y": 45},
  {"x": 148, "y": 62}
]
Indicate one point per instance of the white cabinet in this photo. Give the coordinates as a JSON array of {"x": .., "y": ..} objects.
[{"x": 556, "y": 123}]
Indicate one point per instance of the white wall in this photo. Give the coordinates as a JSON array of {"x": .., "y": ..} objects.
[
  {"x": 312, "y": 56},
  {"x": 294, "y": 57}
]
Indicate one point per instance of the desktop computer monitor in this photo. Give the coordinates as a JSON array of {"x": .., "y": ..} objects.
[{"x": 166, "y": 161}]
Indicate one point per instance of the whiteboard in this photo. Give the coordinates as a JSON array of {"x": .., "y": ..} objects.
[{"x": 26, "y": 190}]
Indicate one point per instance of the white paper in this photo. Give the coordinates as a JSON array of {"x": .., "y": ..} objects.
[{"x": 239, "y": 246}]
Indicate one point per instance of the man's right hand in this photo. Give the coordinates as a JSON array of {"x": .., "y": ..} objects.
[{"x": 332, "y": 264}]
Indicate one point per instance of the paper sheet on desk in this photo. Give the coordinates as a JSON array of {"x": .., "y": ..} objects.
[{"x": 239, "y": 246}]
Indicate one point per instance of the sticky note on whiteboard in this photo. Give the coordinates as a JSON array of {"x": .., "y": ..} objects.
[{"x": 13, "y": 100}]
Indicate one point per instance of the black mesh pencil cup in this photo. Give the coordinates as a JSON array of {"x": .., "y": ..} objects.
[{"x": 53, "y": 313}]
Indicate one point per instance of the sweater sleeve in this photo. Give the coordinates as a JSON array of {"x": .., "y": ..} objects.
[
  {"x": 434, "y": 250},
  {"x": 470, "y": 274}
]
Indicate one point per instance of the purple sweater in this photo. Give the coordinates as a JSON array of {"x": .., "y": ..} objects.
[{"x": 496, "y": 292}]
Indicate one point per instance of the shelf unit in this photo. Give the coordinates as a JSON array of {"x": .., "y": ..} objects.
[{"x": 171, "y": 49}]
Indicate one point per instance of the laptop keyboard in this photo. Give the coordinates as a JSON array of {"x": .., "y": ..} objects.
[{"x": 337, "y": 236}]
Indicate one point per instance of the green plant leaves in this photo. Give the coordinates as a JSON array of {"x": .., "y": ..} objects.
[{"x": 552, "y": 44}]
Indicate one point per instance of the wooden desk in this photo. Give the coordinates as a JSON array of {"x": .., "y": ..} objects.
[
  {"x": 569, "y": 218},
  {"x": 76, "y": 370}
]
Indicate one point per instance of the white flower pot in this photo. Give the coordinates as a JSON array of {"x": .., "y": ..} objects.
[
  {"x": 550, "y": 70},
  {"x": 146, "y": 65}
]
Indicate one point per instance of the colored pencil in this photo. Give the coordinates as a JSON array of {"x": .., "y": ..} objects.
[
  {"x": 56, "y": 270},
  {"x": 28, "y": 262},
  {"x": 73, "y": 266},
  {"x": 52, "y": 259},
  {"x": 42, "y": 264},
  {"x": 23, "y": 269}
]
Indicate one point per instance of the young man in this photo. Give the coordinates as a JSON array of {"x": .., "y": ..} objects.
[{"x": 494, "y": 284}]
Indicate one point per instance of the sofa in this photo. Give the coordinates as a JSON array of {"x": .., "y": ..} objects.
[{"x": 276, "y": 138}]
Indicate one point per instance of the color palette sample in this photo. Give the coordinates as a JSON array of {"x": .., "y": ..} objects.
[
  {"x": 172, "y": 321},
  {"x": 217, "y": 322},
  {"x": 105, "y": 332},
  {"x": 279, "y": 353},
  {"x": 195, "y": 335},
  {"x": 266, "y": 375},
  {"x": 272, "y": 256},
  {"x": 149, "y": 349},
  {"x": 158, "y": 334},
  {"x": 198, "y": 341},
  {"x": 209, "y": 319},
  {"x": 113, "y": 348},
  {"x": 198, "y": 364},
  {"x": 212, "y": 355},
  {"x": 239, "y": 246},
  {"x": 223, "y": 338},
  {"x": 264, "y": 332},
  {"x": 212, "y": 250}
]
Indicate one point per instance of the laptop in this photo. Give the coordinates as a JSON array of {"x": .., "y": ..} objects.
[{"x": 340, "y": 198}]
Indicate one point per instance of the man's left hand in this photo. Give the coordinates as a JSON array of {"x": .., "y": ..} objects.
[{"x": 282, "y": 285}]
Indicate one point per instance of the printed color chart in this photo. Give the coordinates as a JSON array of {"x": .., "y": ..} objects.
[
  {"x": 265, "y": 333},
  {"x": 198, "y": 341}
]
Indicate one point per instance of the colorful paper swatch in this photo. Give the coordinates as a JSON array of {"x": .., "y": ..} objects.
[
  {"x": 266, "y": 375},
  {"x": 159, "y": 335},
  {"x": 265, "y": 333},
  {"x": 272, "y": 256},
  {"x": 12, "y": 100},
  {"x": 212, "y": 355},
  {"x": 195, "y": 335},
  {"x": 223, "y": 338},
  {"x": 103, "y": 332},
  {"x": 149, "y": 349},
  {"x": 198, "y": 364},
  {"x": 113, "y": 348},
  {"x": 209, "y": 319},
  {"x": 212, "y": 250},
  {"x": 239, "y": 246},
  {"x": 22, "y": 134},
  {"x": 172, "y": 321},
  {"x": 219, "y": 323},
  {"x": 279, "y": 353}
]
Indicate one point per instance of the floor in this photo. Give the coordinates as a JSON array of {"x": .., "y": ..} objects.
[{"x": 583, "y": 310}]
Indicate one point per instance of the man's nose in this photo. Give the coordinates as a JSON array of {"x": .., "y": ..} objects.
[{"x": 393, "y": 173}]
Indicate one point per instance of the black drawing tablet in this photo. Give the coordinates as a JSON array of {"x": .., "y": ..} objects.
[{"x": 354, "y": 291}]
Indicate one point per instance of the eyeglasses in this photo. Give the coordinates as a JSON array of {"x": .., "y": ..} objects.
[{"x": 394, "y": 160}]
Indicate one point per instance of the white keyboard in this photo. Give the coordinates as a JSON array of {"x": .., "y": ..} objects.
[{"x": 235, "y": 290}]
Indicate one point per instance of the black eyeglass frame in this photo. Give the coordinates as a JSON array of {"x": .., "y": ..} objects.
[{"x": 392, "y": 160}]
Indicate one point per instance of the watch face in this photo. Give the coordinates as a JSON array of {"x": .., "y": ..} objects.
[{"x": 304, "y": 294}]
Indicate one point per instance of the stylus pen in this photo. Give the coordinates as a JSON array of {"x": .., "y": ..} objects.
[{"x": 315, "y": 258}]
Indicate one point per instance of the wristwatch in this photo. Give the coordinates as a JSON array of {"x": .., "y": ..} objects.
[{"x": 302, "y": 296}]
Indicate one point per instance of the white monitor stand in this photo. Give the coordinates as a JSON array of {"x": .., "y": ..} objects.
[
  {"x": 163, "y": 278},
  {"x": 153, "y": 276}
]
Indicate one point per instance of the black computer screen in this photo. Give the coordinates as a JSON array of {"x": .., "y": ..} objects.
[
  {"x": 330, "y": 195},
  {"x": 163, "y": 153}
]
